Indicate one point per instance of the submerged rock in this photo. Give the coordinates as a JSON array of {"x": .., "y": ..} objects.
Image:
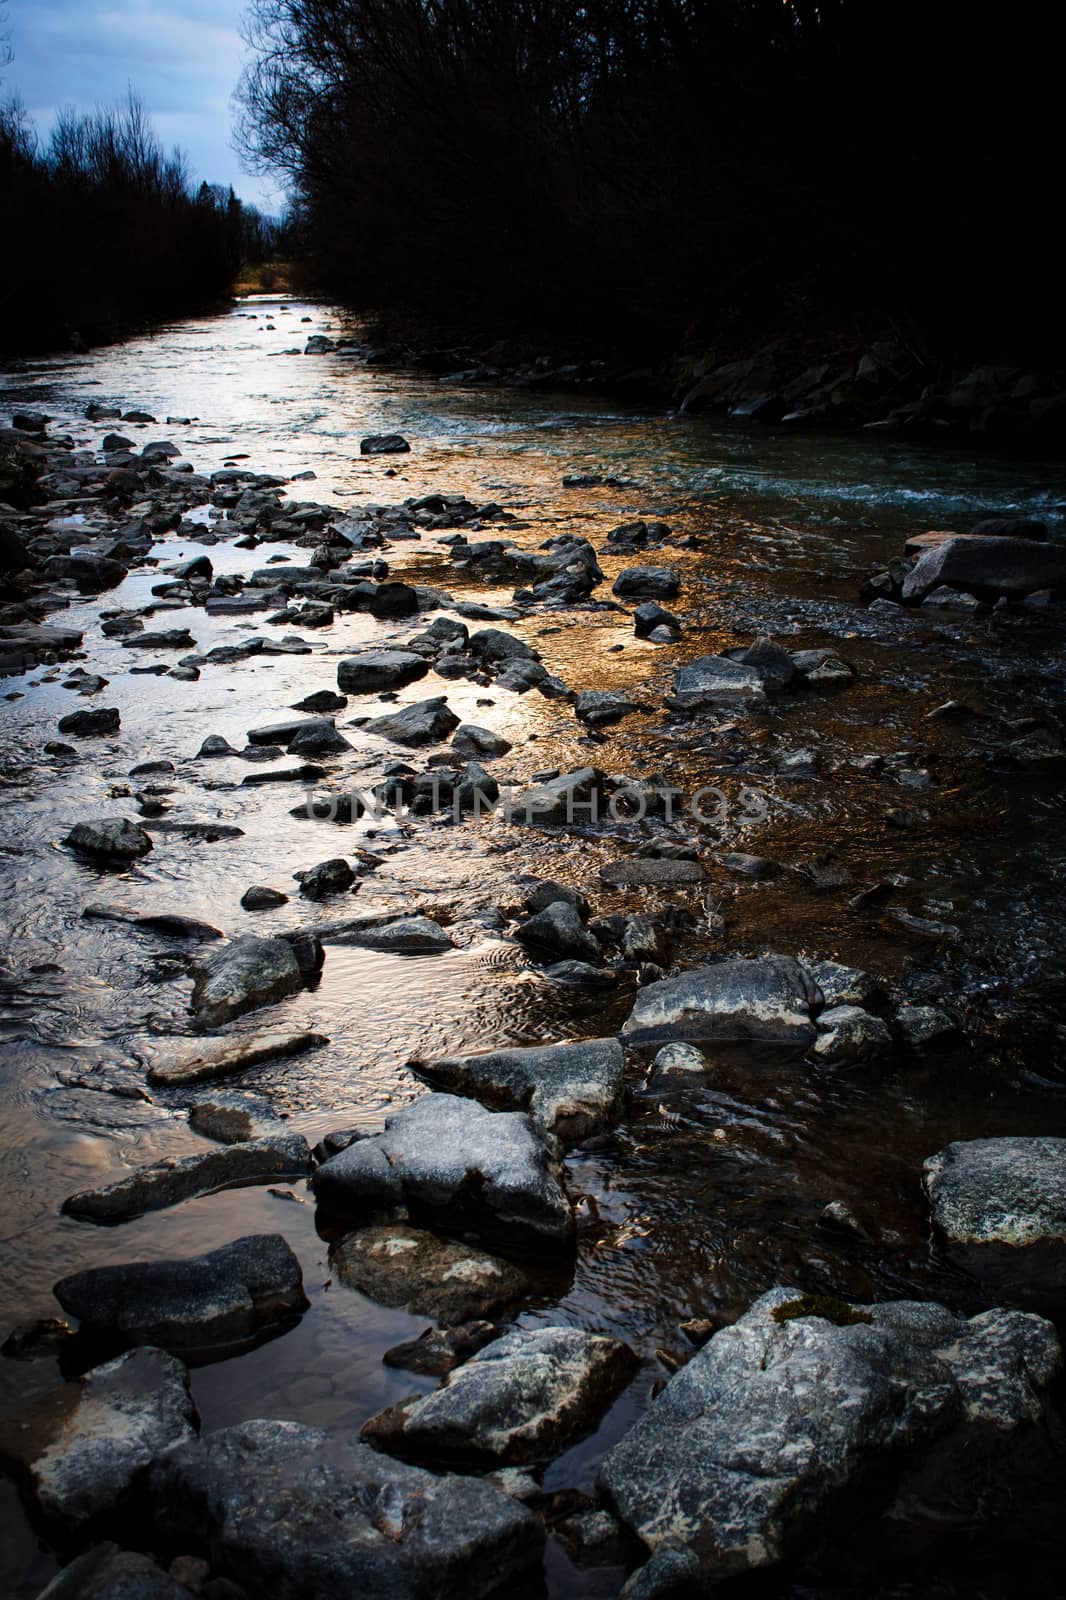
[
  {"x": 600, "y": 707},
  {"x": 223, "y": 1298},
  {"x": 767, "y": 1001},
  {"x": 638, "y": 871},
  {"x": 285, "y": 1510},
  {"x": 738, "y": 1459},
  {"x": 427, "y": 1275},
  {"x": 459, "y": 1167},
  {"x": 570, "y": 1090},
  {"x": 523, "y": 1398},
  {"x": 80, "y": 1451},
  {"x": 173, "y": 1180},
  {"x": 999, "y": 1205},
  {"x": 247, "y": 973}
]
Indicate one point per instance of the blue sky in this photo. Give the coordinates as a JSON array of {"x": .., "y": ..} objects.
[{"x": 183, "y": 57}]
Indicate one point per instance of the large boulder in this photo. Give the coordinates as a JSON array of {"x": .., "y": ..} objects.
[
  {"x": 425, "y": 722},
  {"x": 523, "y": 1398},
  {"x": 739, "y": 1459},
  {"x": 287, "y": 1511},
  {"x": 570, "y": 1090},
  {"x": 223, "y": 1298},
  {"x": 374, "y": 670},
  {"x": 172, "y": 1180},
  {"x": 246, "y": 973},
  {"x": 768, "y": 1001},
  {"x": 427, "y": 1275},
  {"x": 459, "y": 1167},
  {"x": 718, "y": 680},
  {"x": 988, "y": 567},
  {"x": 80, "y": 1450},
  {"x": 999, "y": 1207}
]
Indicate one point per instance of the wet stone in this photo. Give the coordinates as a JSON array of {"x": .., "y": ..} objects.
[
  {"x": 459, "y": 1167},
  {"x": 80, "y": 1450},
  {"x": 999, "y": 1207},
  {"x": 173, "y": 1180},
  {"x": 767, "y": 1001},
  {"x": 91, "y": 724},
  {"x": 637, "y": 871},
  {"x": 224, "y": 1058},
  {"x": 222, "y": 1299},
  {"x": 570, "y": 1090},
  {"x": 427, "y": 1275},
  {"x": 522, "y": 1399},
  {"x": 287, "y": 1510},
  {"x": 426, "y": 722},
  {"x": 374, "y": 670},
  {"x": 261, "y": 898},
  {"x": 242, "y": 975},
  {"x": 847, "y": 1034},
  {"x": 328, "y": 877},
  {"x": 109, "y": 839},
  {"x": 559, "y": 931}
]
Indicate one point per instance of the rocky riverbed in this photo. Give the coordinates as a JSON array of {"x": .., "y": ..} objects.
[{"x": 532, "y": 1003}]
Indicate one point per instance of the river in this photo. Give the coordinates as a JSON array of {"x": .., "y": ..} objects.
[{"x": 696, "y": 1204}]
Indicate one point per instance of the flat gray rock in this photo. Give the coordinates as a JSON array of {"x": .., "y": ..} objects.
[
  {"x": 407, "y": 936},
  {"x": 572, "y": 798},
  {"x": 637, "y": 871},
  {"x": 570, "y": 1090},
  {"x": 738, "y": 1458},
  {"x": 481, "y": 743},
  {"x": 460, "y": 1167},
  {"x": 523, "y": 1398},
  {"x": 80, "y": 1450},
  {"x": 225, "y": 1058},
  {"x": 285, "y": 1510},
  {"x": 717, "y": 680},
  {"x": 373, "y": 670},
  {"x": 223, "y": 1298},
  {"x": 768, "y": 1000},
  {"x": 425, "y": 722},
  {"x": 999, "y": 1206},
  {"x": 427, "y": 1275},
  {"x": 242, "y": 975},
  {"x": 173, "y": 1180}
]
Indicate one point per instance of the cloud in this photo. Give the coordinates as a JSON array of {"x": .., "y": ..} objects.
[{"x": 182, "y": 57}]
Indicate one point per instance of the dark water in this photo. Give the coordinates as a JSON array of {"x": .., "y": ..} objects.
[{"x": 698, "y": 1203}]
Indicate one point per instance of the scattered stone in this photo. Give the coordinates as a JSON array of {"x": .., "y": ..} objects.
[
  {"x": 91, "y": 724},
  {"x": 426, "y": 1275},
  {"x": 302, "y": 1514},
  {"x": 80, "y": 1450},
  {"x": 224, "y": 1122},
  {"x": 649, "y": 619},
  {"x": 220, "y": 1299},
  {"x": 716, "y": 680},
  {"x": 409, "y": 936},
  {"x": 570, "y": 1090},
  {"x": 524, "y": 1398},
  {"x": 213, "y": 747},
  {"x": 647, "y": 583},
  {"x": 999, "y": 1205},
  {"x": 558, "y": 929},
  {"x": 598, "y": 708},
  {"x": 750, "y": 866},
  {"x": 244, "y": 974},
  {"x": 425, "y": 722},
  {"x": 848, "y": 986},
  {"x": 321, "y": 702},
  {"x": 173, "y": 1180},
  {"x": 988, "y": 567},
  {"x": 769, "y": 1001},
  {"x": 677, "y": 1066},
  {"x": 382, "y": 444},
  {"x": 440, "y": 1350},
  {"x": 847, "y": 1034},
  {"x": 924, "y": 1027},
  {"x": 571, "y": 798},
  {"x": 328, "y": 877},
  {"x": 317, "y": 738},
  {"x": 639, "y": 871},
  {"x": 735, "y": 1463},
  {"x": 109, "y": 839},
  {"x": 460, "y": 1167},
  {"x": 374, "y": 670},
  {"x": 261, "y": 898},
  {"x": 225, "y": 1058},
  {"x": 107, "y": 1573},
  {"x": 480, "y": 743}
]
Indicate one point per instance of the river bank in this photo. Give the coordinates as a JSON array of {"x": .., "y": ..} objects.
[{"x": 843, "y": 817}]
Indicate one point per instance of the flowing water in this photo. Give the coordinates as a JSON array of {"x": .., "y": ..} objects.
[{"x": 698, "y": 1202}]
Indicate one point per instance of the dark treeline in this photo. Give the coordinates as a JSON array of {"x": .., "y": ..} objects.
[
  {"x": 636, "y": 168},
  {"x": 102, "y": 233}
]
